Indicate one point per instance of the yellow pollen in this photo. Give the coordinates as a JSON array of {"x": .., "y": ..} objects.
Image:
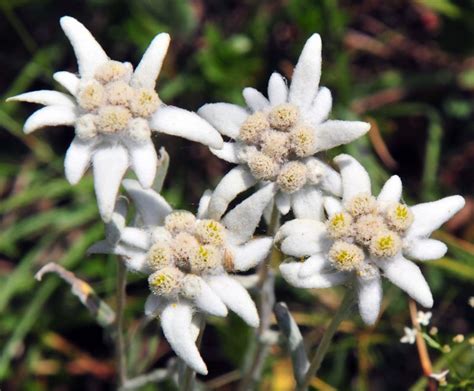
[
  {"x": 302, "y": 141},
  {"x": 262, "y": 166},
  {"x": 292, "y": 177},
  {"x": 210, "y": 232},
  {"x": 345, "y": 256},
  {"x": 253, "y": 127},
  {"x": 111, "y": 71},
  {"x": 91, "y": 95},
  {"x": 339, "y": 225},
  {"x": 363, "y": 203},
  {"x": 399, "y": 217},
  {"x": 144, "y": 102},
  {"x": 113, "y": 118},
  {"x": 180, "y": 221},
  {"x": 165, "y": 281},
  {"x": 283, "y": 117},
  {"x": 385, "y": 244}
]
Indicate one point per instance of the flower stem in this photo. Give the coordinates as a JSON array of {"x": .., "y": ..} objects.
[
  {"x": 119, "y": 338},
  {"x": 323, "y": 346},
  {"x": 423, "y": 354},
  {"x": 259, "y": 350},
  {"x": 189, "y": 374}
]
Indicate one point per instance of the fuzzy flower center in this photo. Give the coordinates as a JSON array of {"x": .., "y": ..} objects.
[
  {"x": 363, "y": 230},
  {"x": 280, "y": 140},
  {"x": 183, "y": 248},
  {"x": 109, "y": 104}
]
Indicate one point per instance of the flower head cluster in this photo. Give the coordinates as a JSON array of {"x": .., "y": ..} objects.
[
  {"x": 275, "y": 139},
  {"x": 364, "y": 236},
  {"x": 113, "y": 109},
  {"x": 190, "y": 260}
]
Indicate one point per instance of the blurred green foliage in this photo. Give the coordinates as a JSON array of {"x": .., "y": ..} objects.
[{"x": 407, "y": 66}]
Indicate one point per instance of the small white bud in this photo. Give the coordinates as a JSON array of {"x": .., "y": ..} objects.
[
  {"x": 385, "y": 244},
  {"x": 180, "y": 221},
  {"x": 118, "y": 92},
  {"x": 399, "y": 217},
  {"x": 339, "y": 225},
  {"x": 91, "y": 95},
  {"x": 283, "y": 117},
  {"x": 144, "y": 102},
  {"x": 346, "y": 256},
  {"x": 262, "y": 166},
  {"x": 85, "y": 126},
  {"x": 111, "y": 119},
  {"x": 159, "y": 255},
  {"x": 361, "y": 204},
  {"x": 292, "y": 177},
  {"x": 253, "y": 127},
  {"x": 166, "y": 281},
  {"x": 112, "y": 71},
  {"x": 367, "y": 226},
  {"x": 302, "y": 141},
  {"x": 275, "y": 145},
  {"x": 210, "y": 232}
]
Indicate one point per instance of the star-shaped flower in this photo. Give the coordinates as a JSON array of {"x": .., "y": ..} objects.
[
  {"x": 365, "y": 236},
  {"x": 190, "y": 260},
  {"x": 275, "y": 139},
  {"x": 423, "y": 318},
  {"x": 409, "y": 337},
  {"x": 113, "y": 109}
]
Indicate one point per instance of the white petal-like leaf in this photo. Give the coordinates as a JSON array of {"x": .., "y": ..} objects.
[
  {"x": 78, "y": 158},
  {"x": 391, "y": 191},
  {"x": 144, "y": 162},
  {"x": 149, "y": 68},
  {"x": 225, "y": 117},
  {"x": 196, "y": 289},
  {"x": 233, "y": 183},
  {"x": 331, "y": 181},
  {"x": 50, "y": 116},
  {"x": 227, "y": 153},
  {"x": 332, "y": 206},
  {"x": 314, "y": 264},
  {"x": 320, "y": 108},
  {"x": 154, "y": 304},
  {"x": 88, "y": 52},
  {"x": 151, "y": 206},
  {"x": 136, "y": 237},
  {"x": 425, "y": 249},
  {"x": 255, "y": 99},
  {"x": 68, "y": 80},
  {"x": 370, "y": 298},
  {"x": 283, "y": 202},
  {"x": 355, "y": 179},
  {"x": 277, "y": 89},
  {"x": 109, "y": 166},
  {"x": 407, "y": 276},
  {"x": 307, "y": 203},
  {"x": 429, "y": 216},
  {"x": 242, "y": 221},
  {"x": 204, "y": 204},
  {"x": 300, "y": 227},
  {"x": 45, "y": 97},
  {"x": 176, "y": 321},
  {"x": 235, "y": 297},
  {"x": 333, "y": 133},
  {"x": 182, "y": 123},
  {"x": 250, "y": 254},
  {"x": 290, "y": 272},
  {"x": 305, "y": 80}
]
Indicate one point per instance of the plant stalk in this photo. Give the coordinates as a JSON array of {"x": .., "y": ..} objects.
[
  {"x": 189, "y": 375},
  {"x": 323, "y": 346},
  {"x": 119, "y": 337}
]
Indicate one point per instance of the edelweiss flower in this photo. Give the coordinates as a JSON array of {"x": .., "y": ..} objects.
[
  {"x": 190, "y": 261},
  {"x": 113, "y": 110},
  {"x": 409, "y": 337},
  {"x": 363, "y": 235},
  {"x": 275, "y": 138}
]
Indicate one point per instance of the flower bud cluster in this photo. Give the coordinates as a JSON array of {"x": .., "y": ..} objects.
[
  {"x": 186, "y": 247},
  {"x": 280, "y": 141},
  {"x": 110, "y": 104},
  {"x": 363, "y": 229}
]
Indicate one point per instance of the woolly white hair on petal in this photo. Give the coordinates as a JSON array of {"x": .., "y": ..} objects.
[
  {"x": 88, "y": 52},
  {"x": 255, "y": 99},
  {"x": 332, "y": 206},
  {"x": 207, "y": 300},
  {"x": 144, "y": 162},
  {"x": 250, "y": 254},
  {"x": 109, "y": 166},
  {"x": 314, "y": 264},
  {"x": 45, "y": 97},
  {"x": 242, "y": 220},
  {"x": 283, "y": 202},
  {"x": 153, "y": 305},
  {"x": 320, "y": 108},
  {"x": 233, "y": 183},
  {"x": 235, "y": 297},
  {"x": 333, "y": 133},
  {"x": 68, "y": 80},
  {"x": 204, "y": 204},
  {"x": 331, "y": 181},
  {"x": 355, "y": 179},
  {"x": 277, "y": 89},
  {"x": 137, "y": 262},
  {"x": 290, "y": 272},
  {"x": 151, "y": 206},
  {"x": 391, "y": 191},
  {"x": 136, "y": 237},
  {"x": 425, "y": 249},
  {"x": 149, "y": 68},
  {"x": 183, "y": 123},
  {"x": 407, "y": 276},
  {"x": 301, "y": 245},
  {"x": 431, "y": 215},
  {"x": 308, "y": 203},
  {"x": 370, "y": 298},
  {"x": 307, "y": 73},
  {"x": 176, "y": 321},
  {"x": 225, "y": 117},
  {"x": 228, "y": 153},
  {"x": 50, "y": 116},
  {"x": 77, "y": 160},
  {"x": 300, "y": 227},
  {"x": 114, "y": 228}
]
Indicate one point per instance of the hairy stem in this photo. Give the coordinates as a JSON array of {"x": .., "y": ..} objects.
[
  {"x": 266, "y": 301},
  {"x": 189, "y": 374},
  {"x": 119, "y": 337},
  {"x": 421, "y": 347},
  {"x": 323, "y": 346}
]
